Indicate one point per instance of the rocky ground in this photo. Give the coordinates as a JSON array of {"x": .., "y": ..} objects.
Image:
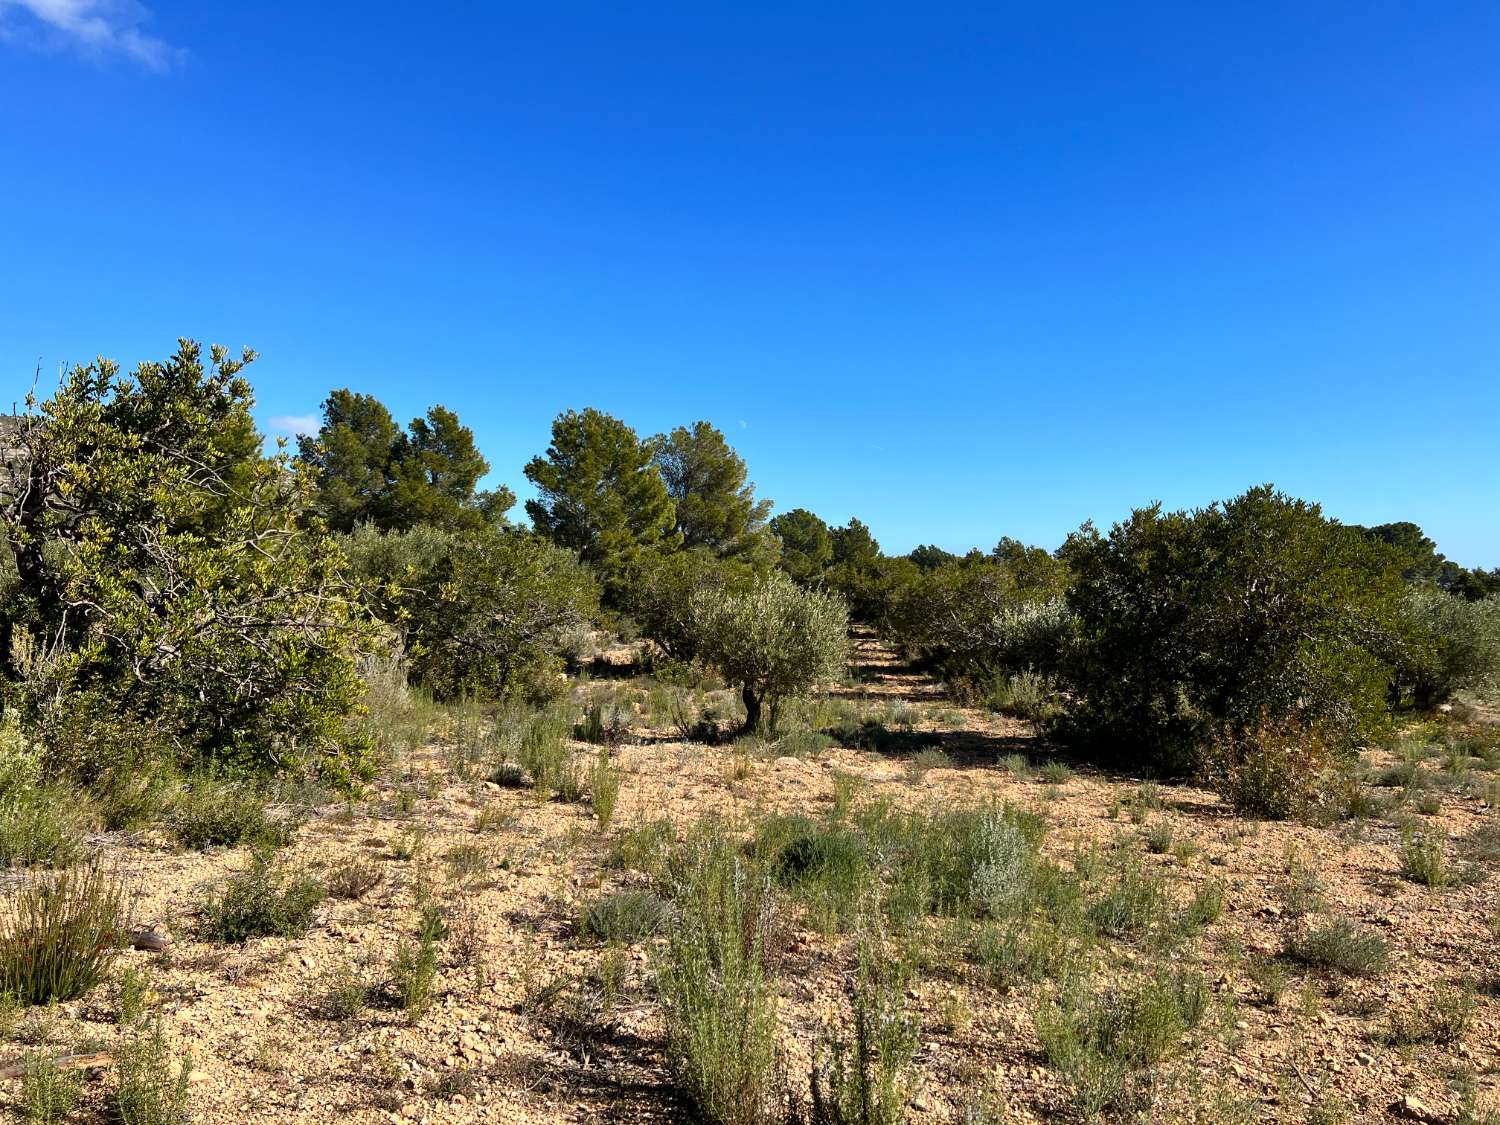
[{"x": 532, "y": 1023}]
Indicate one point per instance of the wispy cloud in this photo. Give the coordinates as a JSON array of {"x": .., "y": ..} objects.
[
  {"x": 97, "y": 27},
  {"x": 290, "y": 425}
]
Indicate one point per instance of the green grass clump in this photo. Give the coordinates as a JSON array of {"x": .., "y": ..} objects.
[
  {"x": 1098, "y": 1039},
  {"x": 542, "y": 748},
  {"x": 263, "y": 900},
  {"x": 1341, "y": 945},
  {"x": 48, "y": 1094},
  {"x": 210, "y": 813},
  {"x": 135, "y": 997},
  {"x": 866, "y": 1076},
  {"x": 718, "y": 998},
  {"x": 1017, "y": 765},
  {"x": 150, "y": 1090},
  {"x": 604, "y": 788},
  {"x": 1444, "y": 1019},
  {"x": 1203, "y": 909},
  {"x": 59, "y": 934},
  {"x": 625, "y": 916}
]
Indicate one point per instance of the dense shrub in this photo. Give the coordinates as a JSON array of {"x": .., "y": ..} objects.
[
  {"x": 1255, "y": 609},
  {"x": 773, "y": 642},
  {"x": 658, "y": 588},
  {"x": 1452, "y": 645},
  {"x": 485, "y": 612},
  {"x": 59, "y": 934},
  {"x": 209, "y": 813},
  {"x": 178, "y": 574}
]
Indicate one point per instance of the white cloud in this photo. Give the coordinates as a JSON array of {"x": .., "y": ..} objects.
[
  {"x": 290, "y": 425},
  {"x": 97, "y": 27}
]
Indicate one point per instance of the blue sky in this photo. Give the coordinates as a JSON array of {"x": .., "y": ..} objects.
[{"x": 963, "y": 271}]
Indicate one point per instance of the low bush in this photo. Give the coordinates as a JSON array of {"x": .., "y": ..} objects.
[
  {"x": 343, "y": 994},
  {"x": 1135, "y": 901},
  {"x": 150, "y": 1089},
  {"x": 48, "y": 1093},
  {"x": 804, "y": 744},
  {"x": 1021, "y": 695},
  {"x": 414, "y": 974},
  {"x": 865, "y": 1077},
  {"x": 1013, "y": 953},
  {"x": 1098, "y": 1039},
  {"x": 604, "y": 725},
  {"x": 1422, "y": 860},
  {"x": 1341, "y": 945},
  {"x": 60, "y": 933},
  {"x": 625, "y": 916},
  {"x": 717, "y": 997},
  {"x": 604, "y": 788},
  {"x": 1279, "y": 769},
  {"x": 41, "y": 823},
  {"x": 354, "y": 879},
  {"x": 210, "y": 813},
  {"x": 1443, "y": 1019},
  {"x": 263, "y": 900}
]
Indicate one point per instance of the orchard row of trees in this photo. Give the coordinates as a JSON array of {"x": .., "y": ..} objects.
[{"x": 175, "y": 588}]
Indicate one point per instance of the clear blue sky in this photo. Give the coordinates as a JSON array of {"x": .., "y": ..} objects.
[{"x": 960, "y": 270}]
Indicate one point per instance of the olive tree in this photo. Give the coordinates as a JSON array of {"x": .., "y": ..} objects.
[
  {"x": 773, "y": 641},
  {"x": 1453, "y": 645}
]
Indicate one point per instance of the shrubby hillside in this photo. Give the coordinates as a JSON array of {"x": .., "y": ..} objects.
[{"x": 211, "y": 650}]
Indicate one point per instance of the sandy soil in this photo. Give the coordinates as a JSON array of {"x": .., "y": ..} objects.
[{"x": 261, "y": 1052}]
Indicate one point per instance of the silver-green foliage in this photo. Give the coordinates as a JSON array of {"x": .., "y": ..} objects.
[
  {"x": 1455, "y": 646},
  {"x": 773, "y": 642}
]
